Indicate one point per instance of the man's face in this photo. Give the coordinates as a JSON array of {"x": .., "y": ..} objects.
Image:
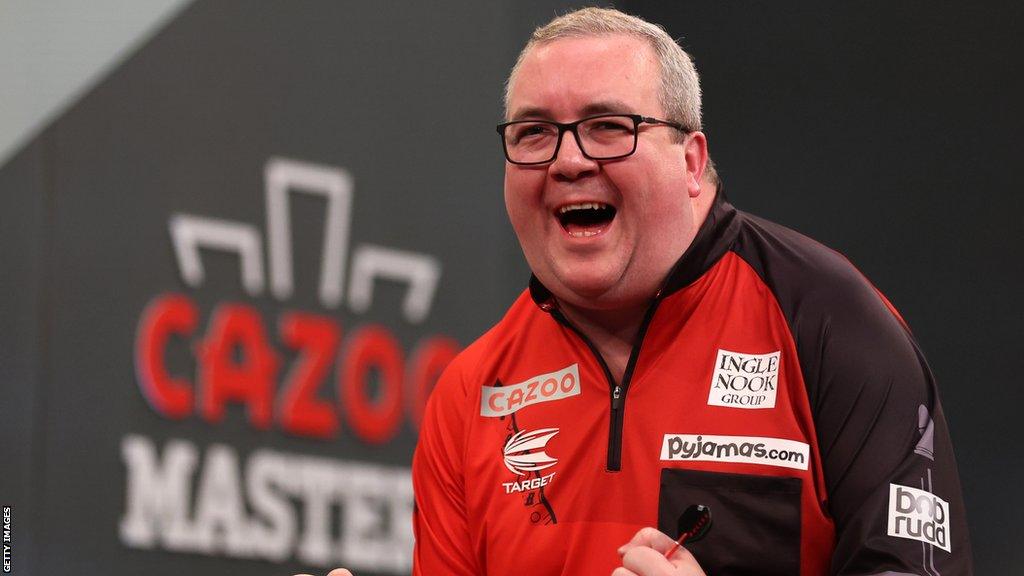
[{"x": 615, "y": 257}]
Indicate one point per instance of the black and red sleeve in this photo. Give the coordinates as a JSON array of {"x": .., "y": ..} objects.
[{"x": 891, "y": 478}]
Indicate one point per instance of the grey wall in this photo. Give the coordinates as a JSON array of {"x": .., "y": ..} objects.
[
  {"x": 886, "y": 132},
  {"x": 889, "y": 132}
]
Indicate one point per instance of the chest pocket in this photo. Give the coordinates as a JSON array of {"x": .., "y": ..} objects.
[{"x": 755, "y": 526}]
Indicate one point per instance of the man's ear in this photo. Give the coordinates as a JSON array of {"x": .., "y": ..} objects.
[{"x": 695, "y": 156}]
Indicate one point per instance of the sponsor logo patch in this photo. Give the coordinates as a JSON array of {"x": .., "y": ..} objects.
[
  {"x": 525, "y": 485},
  {"x": 738, "y": 449},
  {"x": 498, "y": 401},
  {"x": 524, "y": 455},
  {"x": 524, "y": 451},
  {"x": 918, "y": 515},
  {"x": 747, "y": 381}
]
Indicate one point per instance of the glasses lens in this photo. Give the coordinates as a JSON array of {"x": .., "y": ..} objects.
[
  {"x": 531, "y": 141},
  {"x": 608, "y": 136},
  {"x": 534, "y": 142}
]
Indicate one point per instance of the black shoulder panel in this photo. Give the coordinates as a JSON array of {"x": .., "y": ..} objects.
[{"x": 874, "y": 403}]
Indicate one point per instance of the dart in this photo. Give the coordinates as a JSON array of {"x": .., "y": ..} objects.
[{"x": 694, "y": 523}]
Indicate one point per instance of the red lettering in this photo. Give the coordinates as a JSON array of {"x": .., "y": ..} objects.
[
  {"x": 429, "y": 360},
  {"x": 546, "y": 390},
  {"x": 568, "y": 382},
  {"x": 249, "y": 378},
  {"x": 374, "y": 421},
  {"x": 515, "y": 398},
  {"x": 236, "y": 364},
  {"x": 164, "y": 316},
  {"x": 492, "y": 401},
  {"x": 532, "y": 395},
  {"x": 316, "y": 338}
]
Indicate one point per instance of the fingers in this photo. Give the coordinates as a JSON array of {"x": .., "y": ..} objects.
[
  {"x": 644, "y": 555},
  {"x": 339, "y": 572},
  {"x": 646, "y": 561},
  {"x": 650, "y": 538}
]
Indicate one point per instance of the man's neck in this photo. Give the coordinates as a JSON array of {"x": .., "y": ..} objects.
[{"x": 612, "y": 332}]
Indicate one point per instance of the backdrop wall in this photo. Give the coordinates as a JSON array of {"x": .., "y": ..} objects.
[{"x": 233, "y": 269}]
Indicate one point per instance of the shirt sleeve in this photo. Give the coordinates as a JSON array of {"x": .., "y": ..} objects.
[
  {"x": 440, "y": 526},
  {"x": 890, "y": 473},
  {"x": 891, "y": 481}
]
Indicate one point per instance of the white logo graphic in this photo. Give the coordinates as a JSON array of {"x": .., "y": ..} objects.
[
  {"x": 738, "y": 449},
  {"x": 918, "y": 515},
  {"x": 502, "y": 400},
  {"x": 524, "y": 451},
  {"x": 282, "y": 177},
  {"x": 528, "y": 484},
  {"x": 747, "y": 381}
]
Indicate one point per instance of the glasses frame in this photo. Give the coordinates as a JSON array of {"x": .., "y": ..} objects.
[{"x": 574, "y": 128}]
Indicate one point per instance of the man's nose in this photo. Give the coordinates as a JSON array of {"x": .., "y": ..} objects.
[{"x": 570, "y": 163}]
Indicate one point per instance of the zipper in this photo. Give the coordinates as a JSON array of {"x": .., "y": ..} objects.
[
  {"x": 615, "y": 429},
  {"x": 617, "y": 390}
]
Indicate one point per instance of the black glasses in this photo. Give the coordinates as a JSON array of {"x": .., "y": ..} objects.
[{"x": 604, "y": 137}]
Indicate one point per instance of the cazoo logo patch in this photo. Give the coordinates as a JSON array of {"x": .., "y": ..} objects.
[{"x": 498, "y": 401}]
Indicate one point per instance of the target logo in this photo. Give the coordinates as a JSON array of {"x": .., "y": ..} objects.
[{"x": 524, "y": 451}]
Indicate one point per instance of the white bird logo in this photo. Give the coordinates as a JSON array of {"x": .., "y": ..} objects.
[{"x": 517, "y": 458}]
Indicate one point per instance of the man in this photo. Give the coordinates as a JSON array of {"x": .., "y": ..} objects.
[{"x": 670, "y": 352}]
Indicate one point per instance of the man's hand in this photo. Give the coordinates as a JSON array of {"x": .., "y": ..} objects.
[
  {"x": 335, "y": 572},
  {"x": 644, "y": 555}
]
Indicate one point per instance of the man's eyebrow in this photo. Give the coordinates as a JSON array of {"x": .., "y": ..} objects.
[
  {"x": 607, "y": 107},
  {"x": 592, "y": 109},
  {"x": 531, "y": 112}
]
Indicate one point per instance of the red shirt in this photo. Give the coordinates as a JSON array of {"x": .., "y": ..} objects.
[{"x": 769, "y": 381}]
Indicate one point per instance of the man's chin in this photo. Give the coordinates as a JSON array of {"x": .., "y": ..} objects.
[
  {"x": 582, "y": 282},
  {"x": 587, "y": 292},
  {"x": 589, "y": 287}
]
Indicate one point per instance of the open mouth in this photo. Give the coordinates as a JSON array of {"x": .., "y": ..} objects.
[{"x": 586, "y": 218}]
